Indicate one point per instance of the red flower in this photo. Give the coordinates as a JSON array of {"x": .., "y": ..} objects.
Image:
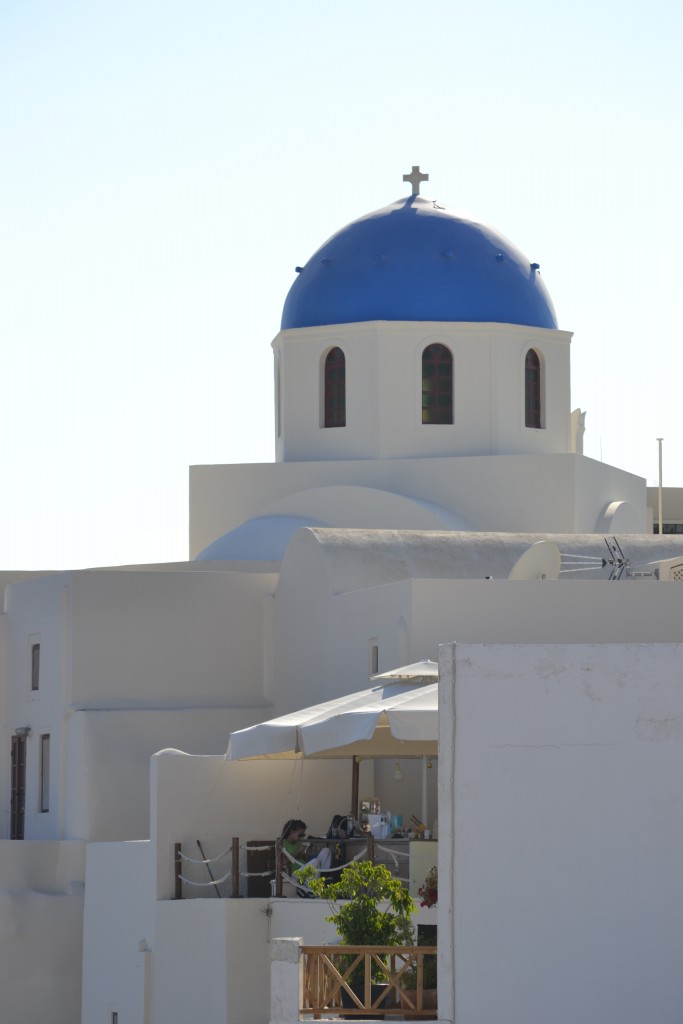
[{"x": 429, "y": 890}]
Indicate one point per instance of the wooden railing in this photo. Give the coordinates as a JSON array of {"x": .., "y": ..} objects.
[{"x": 354, "y": 981}]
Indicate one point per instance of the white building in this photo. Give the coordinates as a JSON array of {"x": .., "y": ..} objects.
[{"x": 425, "y": 440}]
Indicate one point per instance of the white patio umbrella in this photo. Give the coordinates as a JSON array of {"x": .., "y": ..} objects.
[
  {"x": 395, "y": 720},
  {"x": 391, "y": 720},
  {"x": 425, "y": 670}
]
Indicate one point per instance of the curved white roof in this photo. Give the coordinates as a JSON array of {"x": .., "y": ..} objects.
[{"x": 357, "y": 559}]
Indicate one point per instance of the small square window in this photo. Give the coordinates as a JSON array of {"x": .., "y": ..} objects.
[{"x": 35, "y": 666}]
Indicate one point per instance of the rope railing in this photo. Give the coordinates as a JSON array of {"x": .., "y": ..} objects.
[
  {"x": 395, "y": 854},
  {"x": 237, "y": 875},
  {"x": 205, "y": 885},
  {"x": 328, "y": 870},
  {"x": 206, "y": 860}
]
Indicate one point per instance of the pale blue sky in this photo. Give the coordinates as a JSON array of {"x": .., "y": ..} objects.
[{"x": 165, "y": 166}]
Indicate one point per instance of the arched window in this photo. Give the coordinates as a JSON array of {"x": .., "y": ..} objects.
[
  {"x": 335, "y": 388},
  {"x": 532, "y": 390},
  {"x": 437, "y": 385}
]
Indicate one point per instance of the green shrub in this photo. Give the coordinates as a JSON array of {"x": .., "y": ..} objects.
[{"x": 378, "y": 910}]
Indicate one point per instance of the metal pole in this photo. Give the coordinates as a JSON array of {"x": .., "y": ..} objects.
[
  {"x": 278, "y": 867},
  {"x": 659, "y": 441},
  {"x": 424, "y": 810},
  {"x": 235, "y": 867},
  {"x": 178, "y": 870},
  {"x": 355, "y": 778}
]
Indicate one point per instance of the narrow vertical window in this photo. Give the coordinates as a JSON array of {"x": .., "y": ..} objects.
[
  {"x": 532, "y": 390},
  {"x": 45, "y": 772},
  {"x": 18, "y": 795},
  {"x": 437, "y": 385},
  {"x": 374, "y": 657},
  {"x": 335, "y": 388},
  {"x": 35, "y": 666}
]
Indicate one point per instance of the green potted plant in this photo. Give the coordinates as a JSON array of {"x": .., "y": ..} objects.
[{"x": 369, "y": 908}]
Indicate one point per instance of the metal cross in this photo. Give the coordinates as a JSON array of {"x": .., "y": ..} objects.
[{"x": 415, "y": 177}]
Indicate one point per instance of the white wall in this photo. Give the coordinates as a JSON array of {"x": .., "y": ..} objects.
[
  {"x": 117, "y": 932},
  {"x": 410, "y": 618},
  {"x": 167, "y": 962},
  {"x": 556, "y": 611},
  {"x": 597, "y": 486},
  {"x": 211, "y": 962},
  {"x": 384, "y": 391},
  {"x": 157, "y": 658},
  {"x": 38, "y": 611},
  {"x": 109, "y": 760},
  {"x": 301, "y": 633},
  {"x": 191, "y": 962},
  {"x": 561, "y": 815},
  {"x": 41, "y": 908},
  {"x": 672, "y": 504},
  {"x": 189, "y": 638},
  {"x": 555, "y": 493}
]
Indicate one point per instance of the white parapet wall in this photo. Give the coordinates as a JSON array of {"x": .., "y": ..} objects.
[
  {"x": 561, "y": 833},
  {"x": 286, "y": 990},
  {"x": 119, "y": 932},
  {"x": 163, "y": 961},
  {"x": 211, "y": 962},
  {"x": 211, "y": 799},
  {"x": 41, "y": 925}
]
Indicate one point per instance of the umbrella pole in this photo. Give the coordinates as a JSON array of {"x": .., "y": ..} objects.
[
  {"x": 355, "y": 761},
  {"x": 425, "y": 809}
]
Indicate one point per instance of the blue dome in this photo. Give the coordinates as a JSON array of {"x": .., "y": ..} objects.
[{"x": 415, "y": 260}]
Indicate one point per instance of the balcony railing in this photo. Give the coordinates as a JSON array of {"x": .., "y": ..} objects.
[
  {"x": 226, "y": 875},
  {"x": 357, "y": 981}
]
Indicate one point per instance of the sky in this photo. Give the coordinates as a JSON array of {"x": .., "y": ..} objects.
[{"x": 166, "y": 166}]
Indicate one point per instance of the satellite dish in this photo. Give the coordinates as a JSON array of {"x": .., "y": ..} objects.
[{"x": 540, "y": 562}]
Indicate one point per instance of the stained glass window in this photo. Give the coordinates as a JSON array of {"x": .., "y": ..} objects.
[
  {"x": 532, "y": 390},
  {"x": 335, "y": 389},
  {"x": 437, "y": 385}
]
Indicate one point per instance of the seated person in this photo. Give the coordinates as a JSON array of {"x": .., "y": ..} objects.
[{"x": 293, "y": 832}]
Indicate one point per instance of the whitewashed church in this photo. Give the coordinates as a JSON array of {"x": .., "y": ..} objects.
[{"x": 424, "y": 442}]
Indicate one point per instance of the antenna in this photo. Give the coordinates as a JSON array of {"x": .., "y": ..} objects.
[
  {"x": 616, "y": 559},
  {"x": 539, "y": 562}
]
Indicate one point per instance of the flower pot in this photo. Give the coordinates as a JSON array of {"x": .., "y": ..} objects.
[
  {"x": 428, "y": 1002},
  {"x": 359, "y": 989}
]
